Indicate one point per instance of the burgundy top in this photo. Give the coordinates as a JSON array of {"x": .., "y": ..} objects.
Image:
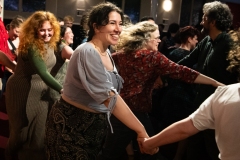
[{"x": 140, "y": 70}]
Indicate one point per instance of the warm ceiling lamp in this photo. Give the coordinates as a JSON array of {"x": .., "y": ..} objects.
[{"x": 167, "y": 5}]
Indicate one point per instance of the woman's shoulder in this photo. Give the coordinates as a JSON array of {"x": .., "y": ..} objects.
[
  {"x": 85, "y": 47},
  {"x": 85, "y": 50}
]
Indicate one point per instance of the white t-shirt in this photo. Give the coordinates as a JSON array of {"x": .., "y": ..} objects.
[{"x": 221, "y": 111}]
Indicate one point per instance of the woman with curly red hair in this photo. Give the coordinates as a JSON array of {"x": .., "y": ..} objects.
[{"x": 26, "y": 107}]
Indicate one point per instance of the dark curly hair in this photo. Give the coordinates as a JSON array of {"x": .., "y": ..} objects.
[
  {"x": 220, "y": 13},
  {"x": 234, "y": 54},
  {"x": 99, "y": 15}
]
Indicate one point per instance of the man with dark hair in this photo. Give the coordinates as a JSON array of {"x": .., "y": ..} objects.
[
  {"x": 147, "y": 18},
  {"x": 161, "y": 28},
  {"x": 68, "y": 21},
  {"x": 210, "y": 56}
]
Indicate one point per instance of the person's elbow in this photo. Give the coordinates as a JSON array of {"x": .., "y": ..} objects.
[
  {"x": 187, "y": 127},
  {"x": 184, "y": 129}
]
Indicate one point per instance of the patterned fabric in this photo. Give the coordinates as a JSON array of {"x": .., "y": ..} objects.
[
  {"x": 72, "y": 133},
  {"x": 145, "y": 66}
]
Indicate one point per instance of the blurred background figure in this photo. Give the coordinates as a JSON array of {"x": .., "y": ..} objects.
[
  {"x": 161, "y": 30},
  {"x": 127, "y": 20},
  {"x": 13, "y": 42},
  {"x": 147, "y": 18},
  {"x": 167, "y": 43},
  {"x": 68, "y": 21},
  {"x": 60, "y": 20},
  {"x": 81, "y": 32},
  {"x": 63, "y": 54},
  {"x": 4, "y": 48},
  {"x": 13, "y": 32}
]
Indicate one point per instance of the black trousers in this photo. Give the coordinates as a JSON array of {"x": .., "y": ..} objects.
[{"x": 116, "y": 143}]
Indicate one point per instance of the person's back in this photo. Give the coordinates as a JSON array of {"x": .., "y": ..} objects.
[
  {"x": 227, "y": 127},
  {"x": 222, "y": 114}
]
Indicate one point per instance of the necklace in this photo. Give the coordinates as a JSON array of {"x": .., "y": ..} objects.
[{"x": 98, "y": 49}]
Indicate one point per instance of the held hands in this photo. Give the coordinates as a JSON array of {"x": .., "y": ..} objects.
[
  {"x": 216, "y": 84},
  {"x": 145, "y": 148}
]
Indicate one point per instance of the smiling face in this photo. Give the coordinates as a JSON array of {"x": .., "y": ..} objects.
[
  {"x": 68, "y": 36},
  {"x": 154, "y": 41},
  {"x": 109, "y": 34},
  {"x": 45, "y": 32}
]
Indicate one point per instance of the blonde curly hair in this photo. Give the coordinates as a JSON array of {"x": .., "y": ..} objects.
[
  {"x": 234, "y": 53},
  {"x": 135, "y": 37},
  {"x": 29, "y": 33}
]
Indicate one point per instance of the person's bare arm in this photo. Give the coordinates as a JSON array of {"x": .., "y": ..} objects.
[
  {"x": 125, "y": 115},
  {"x": 175, "y": 132},
  {"x": 67, "y": 52},
  {"x": 4, "y": 60},
  {"x": 207, "y": 80}
]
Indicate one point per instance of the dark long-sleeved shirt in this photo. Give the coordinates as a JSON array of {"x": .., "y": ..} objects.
[{"x": 210, "y": 57}]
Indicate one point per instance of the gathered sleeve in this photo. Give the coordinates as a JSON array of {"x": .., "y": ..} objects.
[{"x": 94, "y": 77}]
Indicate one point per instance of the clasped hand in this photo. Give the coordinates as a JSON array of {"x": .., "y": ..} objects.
[{"x": 145, "y": 148}]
